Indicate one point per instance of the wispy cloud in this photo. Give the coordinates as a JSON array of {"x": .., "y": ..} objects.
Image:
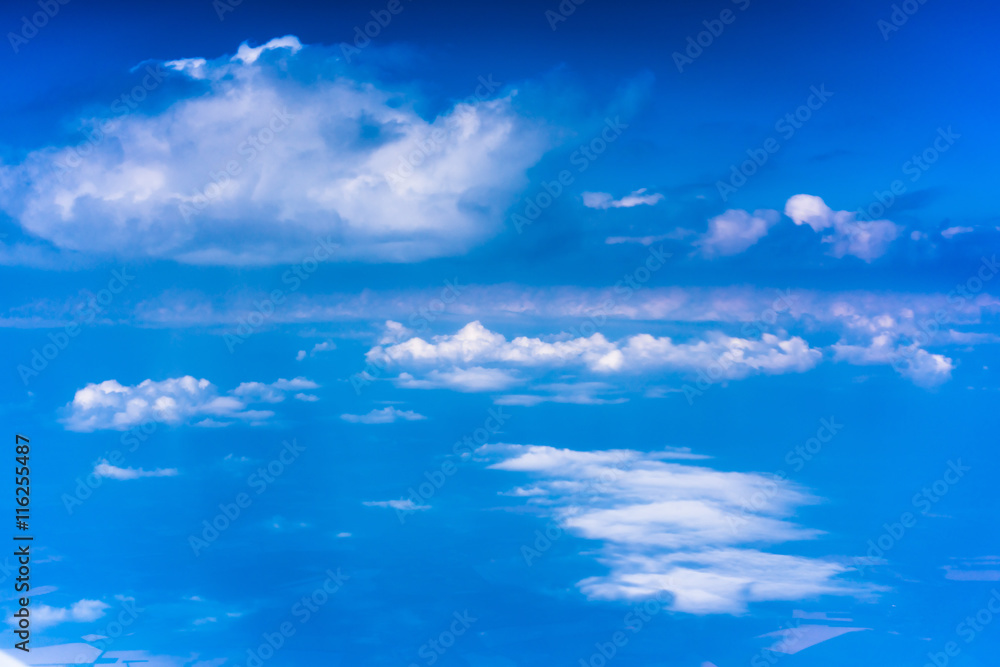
[
  {"x": 383, "y": 416},
  {"x": 669, "y": 526}
]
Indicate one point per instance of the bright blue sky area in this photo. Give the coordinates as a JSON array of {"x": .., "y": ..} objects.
[{"x": 650, "y": 381}]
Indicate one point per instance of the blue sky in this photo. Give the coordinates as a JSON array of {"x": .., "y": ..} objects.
[{"x": 505, "y": 334}]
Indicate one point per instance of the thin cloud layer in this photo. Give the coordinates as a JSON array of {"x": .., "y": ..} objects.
[
  {"x": 278, "y": 153},
  {"x": 387, "y": 415},
  {"x": 604, "y": 200},
  {"x": 688, "y": 530},
  {"x": 105, "y": 469}
]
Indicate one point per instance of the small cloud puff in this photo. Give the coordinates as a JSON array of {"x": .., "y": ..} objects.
[
  {"x": 384, "y": 416},
  {"x": 604, "y": 200}
]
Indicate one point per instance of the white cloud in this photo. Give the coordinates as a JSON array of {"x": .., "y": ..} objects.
[
  {"x": 384, "y": 416},
  {"x": 800, "y": 637},
  {"x": 473, "y": 379},
  {"x": 952, "y": 232},
  {"x": 604, "y": 200},
  {"x": 734, "y": 231},
  {"x": 921, "y": 367},
  {"x": 458, "y": 361},
  {"x": 111, "y": 405},
  {"x": 318, "y": 347},
  {"x": 580, "y": 393},
  {"x": 404, "y": 505},
  {"x": 665, "y": 526},
  {"x": 866, "y": 240},
  {"x": 105, "y": 469},
  {"x": 270, "y": 155},
  {"x": 84, "y": 611}
]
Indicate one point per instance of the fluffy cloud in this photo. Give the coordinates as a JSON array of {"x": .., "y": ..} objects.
[
  {"x": 604, "y": 200},
  {"x": 384, "y": 416},
  {"x": 459, "y": 361},
  {"x": 734, "y": 231},
  {"x": 277, "y": 152},
  {"x": 923, "y": 368},
  {"x": 847, "y": 235},
  {"x": 111, "y": 405},
  {"x": 667, "y": 526},
  {"x": 84, "y": 611},
  {"x": 105, "y": 469}
]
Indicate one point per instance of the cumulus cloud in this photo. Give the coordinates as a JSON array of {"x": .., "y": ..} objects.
[
  {"x": 688, "y": 530},
  {"x": 604, "y": 200},
  {"x": 923, "y": 368},
  {"x": 734, "y": 231},
  {"x": 105, "y": 469},
  {"x": 278, "y": 152},
  {"x": 111, "y": 405},
  {"x": 847, "y": 235},
  {"x": 383, "y": 416},
  {"x": 461, "y": 360}
]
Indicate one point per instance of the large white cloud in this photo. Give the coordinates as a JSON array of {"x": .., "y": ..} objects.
[
  {"x": 272, "y": 154},
  {"x": 112, "y": 405},
  {"x": 690, "y": 530}
]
